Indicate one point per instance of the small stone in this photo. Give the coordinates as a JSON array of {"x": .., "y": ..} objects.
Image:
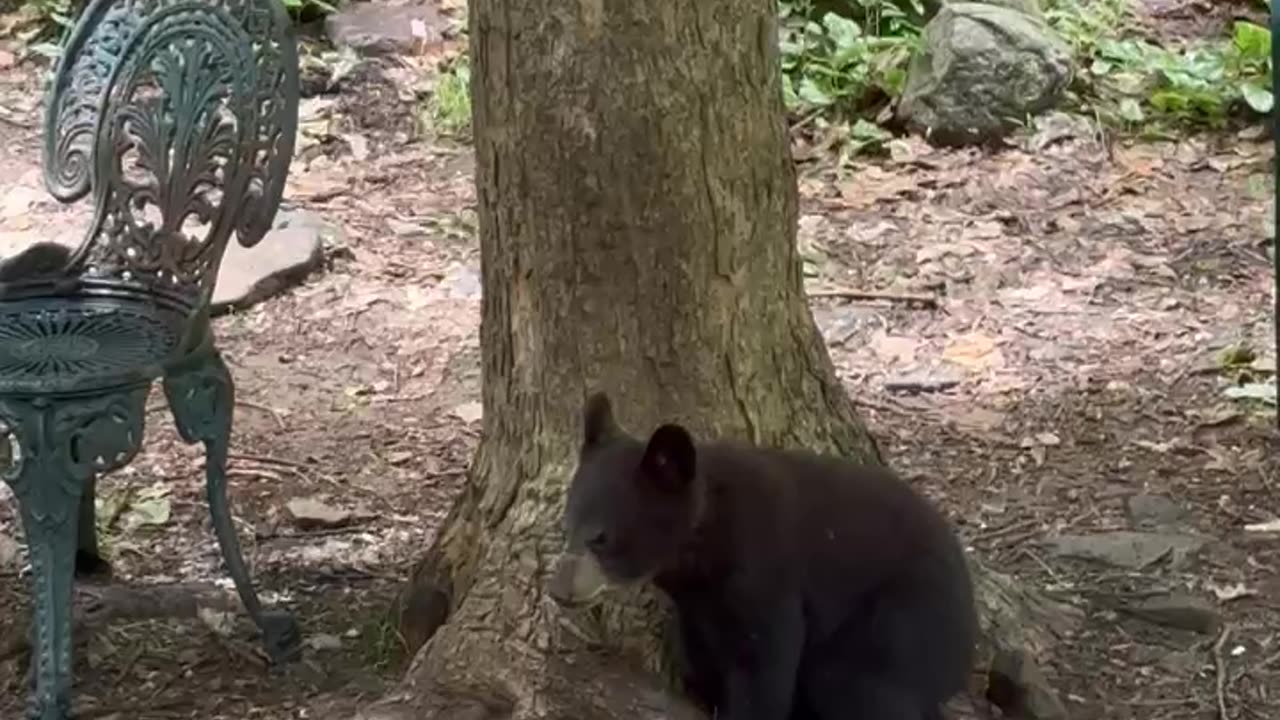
[
  {"x": 1134, "y": 550},
  {"x": 406, "y": 229},
  {"x": 324, "y": 641},
  {"x": 1153, "y": 511},
  {"x": 310, "y": 514},
  {"x": 1178, "y": 610},
  {"x": 287, "y": 254}
]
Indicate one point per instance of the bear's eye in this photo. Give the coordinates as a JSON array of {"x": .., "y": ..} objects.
[{"x": 598, "y": 542}]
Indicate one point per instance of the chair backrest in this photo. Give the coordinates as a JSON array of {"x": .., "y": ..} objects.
[{"x": 180, "y": 118}]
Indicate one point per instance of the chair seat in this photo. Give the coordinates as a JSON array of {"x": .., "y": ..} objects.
[{"x": 78, "y": 344}]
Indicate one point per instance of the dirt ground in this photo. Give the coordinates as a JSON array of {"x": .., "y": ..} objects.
[{"x": 1064, "y": 375}]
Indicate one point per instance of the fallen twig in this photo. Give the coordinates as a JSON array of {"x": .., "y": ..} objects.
[
  {"x": 1220, "y": 664},
  {"x": 256, "y": 472},
  {"x": 6, "y": 117},
  {"x": 266, "y": 459},
  {"x": 97, "y": 605},
  {"x": 1011, "y": 528},
  {"x": 921, "y": 385},
  {"x": 270, "y": 411},
  {"x": 928, "y": 301}
]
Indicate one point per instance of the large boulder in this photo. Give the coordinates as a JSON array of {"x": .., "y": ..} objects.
[
  {"x": 385, "y": 28},
  {"x": 1030, "y": 7},
  {"x": 980, "y": 72}
]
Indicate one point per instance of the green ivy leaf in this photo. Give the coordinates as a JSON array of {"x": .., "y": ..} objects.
[
  {"x": 1258, "y": 97},
  {"x": 844, "y": 32},
  {"x": 1252, "y": 40},
  {"x": 1264, "y": 392},
  {"x": 810, "y": 93},
  {"x": 1130, "y": 110}
]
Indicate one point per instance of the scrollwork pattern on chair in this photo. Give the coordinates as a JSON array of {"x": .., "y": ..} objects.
[
  {"x": 80, "y": 77},
  {"x": 62, "y": 443},
  {"x": 193, "y": 105}
]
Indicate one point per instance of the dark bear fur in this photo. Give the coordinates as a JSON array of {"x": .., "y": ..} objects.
[{"x": 806, "y": 587}]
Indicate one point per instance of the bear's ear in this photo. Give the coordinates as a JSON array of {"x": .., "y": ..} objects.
[
  {"x": 597, "y": 421},
  {"x": 670, "y": 460}
]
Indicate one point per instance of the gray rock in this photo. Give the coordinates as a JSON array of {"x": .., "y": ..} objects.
[
  {"x": 309, "y": 514},
  {"x": 324, "y": 641},
  {"x": 288, "y": 253},
  {"x": 1133, "y": 550},
  {"x": 1178, "y": 610},
  {"x": 1154, "y": 511},
  {"x": 980, "y": 72},
  {"x": 1029, "y": 7},
  {"x": 462, "y": 282},
  {"x": 376, "y": 28}
]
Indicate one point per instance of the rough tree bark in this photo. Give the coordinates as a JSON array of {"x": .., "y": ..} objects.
[{"x": 637, "y": 226}]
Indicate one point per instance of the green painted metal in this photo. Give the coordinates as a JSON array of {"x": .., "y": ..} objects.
[{"x": 179, "y": 118}]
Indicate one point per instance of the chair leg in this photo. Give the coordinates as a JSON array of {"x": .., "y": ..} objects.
[
  {"x": 64, "y": 444},
  {"x": 202, "y": 396},
  {"x": 52, "y": 544}
]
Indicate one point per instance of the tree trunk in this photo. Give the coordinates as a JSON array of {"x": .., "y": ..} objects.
[{"x": 637, "y": 227}]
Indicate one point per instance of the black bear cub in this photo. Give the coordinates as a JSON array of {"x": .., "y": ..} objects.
[{"x": 806, "y": 587}]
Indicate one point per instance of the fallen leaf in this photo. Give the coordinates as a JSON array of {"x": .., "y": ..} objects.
[
  {"x": 895, "y": 348},
  {"x": 976, "y": 419},
  {"x": 1265, "y": 392},
  {"x": 468, "y": 412},
  {"x": 359, "y": 145},
  {"x": 221, "y": 622},
  {"x": 149, "y": 508},
  {"x": 983, "y": 230},
  {"x": 1270, "y": 526},
  {"x": 1227, "y": 593},
  {"x": 939, "y": 250},
  {"x": 399, "y": 457},
  {"x": 974, "y": 351},
  {"x": 308, "y": 513},
  {"x": 871, "y": 184}
]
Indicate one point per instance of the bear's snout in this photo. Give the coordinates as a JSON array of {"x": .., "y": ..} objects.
[{"x": 576, "y": 580}]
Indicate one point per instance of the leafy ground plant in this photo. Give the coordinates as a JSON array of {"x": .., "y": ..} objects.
[
  {"x": 448, "y": 110},
  {"x": 1133, "y": 83},
  {"x": 1207, "y": 83},
  {"x": 838, "y": 64},
  {"x": 841, "y": 70}
]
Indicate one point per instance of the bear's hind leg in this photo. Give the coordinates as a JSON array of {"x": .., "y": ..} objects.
[{"x": 834, "y": 693}]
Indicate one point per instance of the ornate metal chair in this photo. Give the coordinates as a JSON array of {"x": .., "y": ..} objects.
[{"x": 179, "y": 116}]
